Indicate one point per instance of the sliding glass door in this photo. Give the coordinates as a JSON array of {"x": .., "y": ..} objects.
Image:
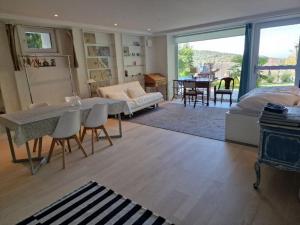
[
  {"x": 216, "y": 53},
  {"x": 276, "y": 55}
]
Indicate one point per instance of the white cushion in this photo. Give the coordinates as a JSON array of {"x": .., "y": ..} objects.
[
  {"x": 120, "y": 95},
  {"x": 148, "y": 97},
  {"x": 135, "y": 92},
  {"x": 258, "y": 101}
]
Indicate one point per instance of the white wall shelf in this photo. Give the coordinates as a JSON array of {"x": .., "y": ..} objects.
[
  {"x": 133, "y": 47},
  {"x": 100, "y": 55}
]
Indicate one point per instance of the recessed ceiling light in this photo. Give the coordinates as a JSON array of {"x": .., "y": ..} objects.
[
  {"x": 149, "y": 29},
  {"x": 116, "y": 24},
  {"x": 55, "y": 15}
]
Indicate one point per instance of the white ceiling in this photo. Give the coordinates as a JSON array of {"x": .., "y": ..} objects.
[{"x": 159, "y": 15}]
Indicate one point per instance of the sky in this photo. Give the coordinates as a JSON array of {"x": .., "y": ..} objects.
[{"x": 276, "y": 42}]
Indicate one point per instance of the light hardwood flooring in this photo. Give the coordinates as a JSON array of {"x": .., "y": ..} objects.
[{"x": 187, "y": 179}]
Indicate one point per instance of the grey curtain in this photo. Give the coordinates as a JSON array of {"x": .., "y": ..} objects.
[
  {"x": 245, "y": 73},
  {"x": 75, "y": 62},
  {"x": 11, "y": 30}
]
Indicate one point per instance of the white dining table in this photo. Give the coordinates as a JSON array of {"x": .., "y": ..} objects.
[{"x": 35, "y": 123}]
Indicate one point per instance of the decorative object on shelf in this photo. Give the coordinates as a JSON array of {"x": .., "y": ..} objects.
[
  {"x": 126, "y": 73},
  {"x": 52, "y": 62},
  {"x": 46, "y": 63},
  {"x": 136, "y": 43},
  {"x": 36, "y": 62},
  {"x": 90, "y": 82},
  {"x": 126, "y": 51}
]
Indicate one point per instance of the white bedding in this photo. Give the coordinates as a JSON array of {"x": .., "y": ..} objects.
[{"x": 254, "y": 101}]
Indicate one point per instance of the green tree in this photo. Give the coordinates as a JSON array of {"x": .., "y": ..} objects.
[
  {"x": 236, "y": 69},
  {"x": 34, "y": 40},
  {"x": 185, "y": 60}
]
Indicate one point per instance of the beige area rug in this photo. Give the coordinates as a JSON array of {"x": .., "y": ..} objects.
[{"x": 203, "y": 121}]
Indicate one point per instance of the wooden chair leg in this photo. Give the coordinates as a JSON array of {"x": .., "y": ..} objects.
[
  {"x": 63, "y": 154},
  {"x": 222, "y": 98},
  {"x": 69, "y": 146},
  {"x": 80, "y": 145},
  {"x": 35, "y": 144},
  {"x": 230, "y": 99},
  {"x": 106, "y": 134},
  {"x": 97, "y": 136},
  {"x": 83, "y": 134},
  {"x": 202, "y": 99},
  {"x": 195, "y": 102},
  {"x": 93, "y": 141},
  {"x": 51, "y": 150},
  {"x": 40, "y": 147}
]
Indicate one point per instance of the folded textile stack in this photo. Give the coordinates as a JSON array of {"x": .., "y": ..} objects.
[{"x": 280, "y": 115}]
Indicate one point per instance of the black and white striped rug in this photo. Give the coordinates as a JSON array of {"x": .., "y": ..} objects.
[{"x": 95, "y": 204}]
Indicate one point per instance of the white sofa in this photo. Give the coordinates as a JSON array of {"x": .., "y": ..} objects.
[
  {"x": 133, "y": 94},
  {"x": 241, "y": 121}
]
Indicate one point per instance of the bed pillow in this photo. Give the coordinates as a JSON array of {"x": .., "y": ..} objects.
[
  {"x": 120, "y": 95},
  {"x": 258, "y": 101},
  {"x": 136, "y": 92}
]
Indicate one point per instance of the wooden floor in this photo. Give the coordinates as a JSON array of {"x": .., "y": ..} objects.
[{"x": 187, "y": 179}]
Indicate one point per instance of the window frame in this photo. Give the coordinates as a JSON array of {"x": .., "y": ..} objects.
[
  {"x": 24, "y": 29},
  {"x": 255, "y": 55}
]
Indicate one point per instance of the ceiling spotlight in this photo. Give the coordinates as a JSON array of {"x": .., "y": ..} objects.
[
  {"x": 149, "y": 29},
  {"x": 55, "y": 15},
  {"x": 116, "y": 24}
]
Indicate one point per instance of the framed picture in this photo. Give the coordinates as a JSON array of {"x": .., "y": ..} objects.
[
  {"x": 92, "y": 51},
  {"x": 103, "y": 51}
]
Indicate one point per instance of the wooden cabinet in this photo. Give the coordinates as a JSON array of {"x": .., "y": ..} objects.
[{"x": 156, "y": 82}]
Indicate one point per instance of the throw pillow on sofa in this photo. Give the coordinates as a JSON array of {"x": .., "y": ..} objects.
[
  {"x": 136, "y": 92},
  {"x": 121, "y": 95}
]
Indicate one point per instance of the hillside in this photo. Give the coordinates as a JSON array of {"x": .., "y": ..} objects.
[{"x": 203, "y": 56}]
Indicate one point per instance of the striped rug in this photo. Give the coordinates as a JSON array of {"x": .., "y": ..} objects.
[{"x": 95, "y": 204}]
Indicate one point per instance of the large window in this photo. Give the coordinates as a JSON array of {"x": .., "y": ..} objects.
[
  {"x": 218, "y": 54},
  {"x": 278, "y": 50}
]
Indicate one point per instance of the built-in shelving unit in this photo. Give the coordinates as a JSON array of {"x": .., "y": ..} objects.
[
  {"x": 100, "y": 57},
  {"x": 133, "y": 57}
]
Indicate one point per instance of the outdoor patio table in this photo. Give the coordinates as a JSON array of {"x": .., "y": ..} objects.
[
  {"x": 206, "y": 83},
  {"x": 36, "y": 123}
]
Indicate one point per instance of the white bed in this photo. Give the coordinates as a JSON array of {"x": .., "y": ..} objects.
[{"x": 241, "y": 121}]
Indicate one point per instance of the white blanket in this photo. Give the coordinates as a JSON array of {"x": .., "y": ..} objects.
[{"x": 256, "y": 99}]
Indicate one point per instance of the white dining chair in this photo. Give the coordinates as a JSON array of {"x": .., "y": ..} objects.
[
  {"x": 67, "y": 128},
  {"x": 95, "y": 120},
  {"x": 38, "y": 141},
  {"x": 73, "y": 100}
]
